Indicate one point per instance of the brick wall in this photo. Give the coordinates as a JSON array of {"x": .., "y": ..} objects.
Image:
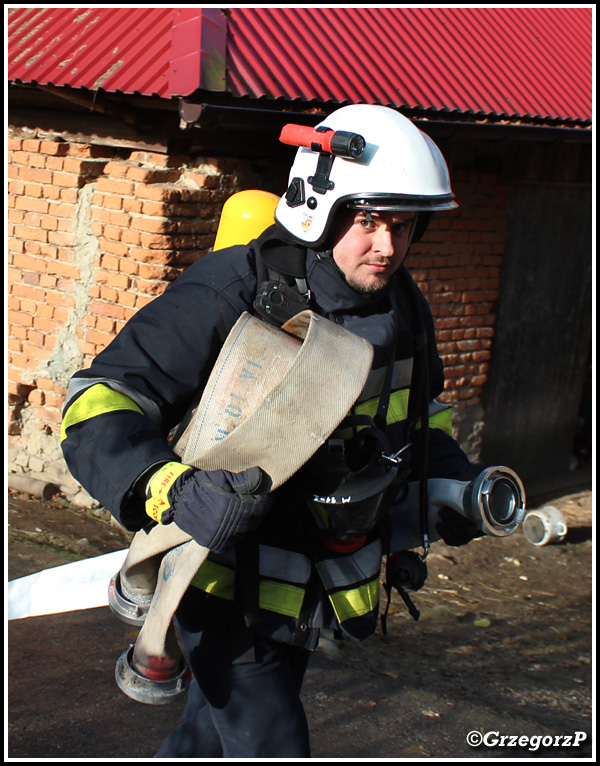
[
  {"x": 96, "y": 232},
  {"x": 457, "y": 266}
]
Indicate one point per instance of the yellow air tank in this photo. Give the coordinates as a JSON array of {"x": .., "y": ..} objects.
[{"x": 245, "y": 216}]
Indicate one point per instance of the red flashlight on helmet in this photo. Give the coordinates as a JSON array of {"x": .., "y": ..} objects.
[{"x": 340, "y": 143}]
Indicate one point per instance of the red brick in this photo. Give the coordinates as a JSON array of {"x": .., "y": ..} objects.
[
  {"x": 48, "y": 280},
  {"x": 17, "y": 318},
  {"x": 60, "y": 314},
  {"x": 131, "y": 237},
  {"x": 68, "y": 180},
  {"x": 118, "y": 218},
  {"x": 113, "y": 232},
  {"x": 55, "y": 148},
  {"x": 59, "y": 299},
  {"x": 68, "y": 195},
  {"x": 109, "y": 294},
  {"x": 55, "y": 400},
  {"x": 115, "y": 186},
  {"x": 63, "y": 270},
  {"x": 119, "y": 249},
  {"x": 55, "y": 163},
  {"x": 131, "y": 205},
  {"x": 101, "y": 339},
  {"x": 158, "y": 193},
  {"x": 105, "y": 324},
  {"x": 15, "y": 218},
  {"x": 128, "y": 266},
  {"x": 127, "y": 299},
  {"x": 50, "y": 414},
  {"x": 152, "y": 175},
  {"x": 156, "y": 208},
  {"x": 106, "y": 309},
  {"x": 31, "y": 233},
  {"x": 28, "y": 291},
  {"x": 87, "y": 150},
  {"x": 36, "y": 397},
  {"x": 62, "y": 209},
  {"x": 118, "y": 281}
]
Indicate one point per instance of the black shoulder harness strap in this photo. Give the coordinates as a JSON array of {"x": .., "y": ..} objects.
[
  {"x": 282, "y": 290},
  {"x": 418, "y": 404}
]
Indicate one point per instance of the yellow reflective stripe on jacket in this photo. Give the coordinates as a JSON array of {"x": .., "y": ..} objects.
[
  {"x": 216, "y": 579},
  {"x": 96, "y": 400},
  {"x": 280, "y": 597},
  {"x": 441, "y": 420},
  {"x": 219, "y": 581},
  {"x": 357, "y": 601},
  {"x": 398, "y": 411}
]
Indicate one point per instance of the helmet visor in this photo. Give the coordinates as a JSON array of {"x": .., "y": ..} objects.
[{"x": 400, "y": 203}]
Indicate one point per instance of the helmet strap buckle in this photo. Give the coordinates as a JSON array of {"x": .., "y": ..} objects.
[{"x": 320, "y": 181}]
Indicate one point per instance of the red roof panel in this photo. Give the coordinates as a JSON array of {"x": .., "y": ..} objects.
[
  {"x": 513, "y": 62},
  {"x": 507, "y": 62},
  {"x": 116, "y": 49}
]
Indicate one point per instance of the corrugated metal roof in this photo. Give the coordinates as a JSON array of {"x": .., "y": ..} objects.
[
  {"x": 506, "y": 62},
  {"x": 116, "y": 49},
  {"x": 513, "y": 62}
]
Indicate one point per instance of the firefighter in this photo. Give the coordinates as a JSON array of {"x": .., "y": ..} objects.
[{"x": 288, "y": 564}]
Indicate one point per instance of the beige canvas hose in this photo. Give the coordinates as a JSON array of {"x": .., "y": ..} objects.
[{"x": 273, "y": 398}]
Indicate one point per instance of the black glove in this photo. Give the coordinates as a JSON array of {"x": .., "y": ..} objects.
[
  {"x": 217, "y": 508},
  {"x": 455, "y": 529}
]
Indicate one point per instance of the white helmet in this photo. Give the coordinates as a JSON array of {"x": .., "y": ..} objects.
[{"x": 364, "y": 157}]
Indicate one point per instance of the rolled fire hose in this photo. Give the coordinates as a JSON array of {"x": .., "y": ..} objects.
[{"x": 273, "y": 398}]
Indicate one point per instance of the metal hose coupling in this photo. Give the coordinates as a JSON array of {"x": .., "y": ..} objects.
[
  {"x": 131, "y": 608},
  {"x": 494, "y": 501},
  {"x": 153, "y": 670},
  {"x": 159, "y": 681}
]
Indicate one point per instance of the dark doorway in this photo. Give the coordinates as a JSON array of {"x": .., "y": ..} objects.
[{"x": 543, "y": 331}]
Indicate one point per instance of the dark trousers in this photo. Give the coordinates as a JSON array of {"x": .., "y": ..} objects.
[{"x": 244, "y": 701}]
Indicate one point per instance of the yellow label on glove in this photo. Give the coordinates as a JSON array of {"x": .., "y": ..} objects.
[{"x": 159, "y": 486}]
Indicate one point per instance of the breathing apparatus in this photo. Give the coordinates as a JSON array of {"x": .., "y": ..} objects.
[
  {"x": 245, "y": 215},
  {"x": 348, "y": 481}
]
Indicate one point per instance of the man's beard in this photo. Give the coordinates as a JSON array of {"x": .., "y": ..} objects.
[{"x": 370, "y": 289}]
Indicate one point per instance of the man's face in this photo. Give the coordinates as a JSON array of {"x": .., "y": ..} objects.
[{"x": 368, "y": 252}]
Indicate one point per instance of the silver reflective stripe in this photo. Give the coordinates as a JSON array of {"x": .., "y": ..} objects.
[
  {"x": 362, "y": 565},
  {"x": 401, "y": 377},
  {"x": 435, "y": 407},
  {"x": 150, "y": 409},
  {"x": 283, "y": 565}
]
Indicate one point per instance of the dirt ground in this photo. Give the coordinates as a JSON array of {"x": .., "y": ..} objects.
[{"x": 503, "y": 650}]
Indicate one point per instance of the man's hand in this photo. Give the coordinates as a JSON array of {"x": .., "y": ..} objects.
[
  {"x": 217, "y": 508},
  {"x": 455, "y": 529}
]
